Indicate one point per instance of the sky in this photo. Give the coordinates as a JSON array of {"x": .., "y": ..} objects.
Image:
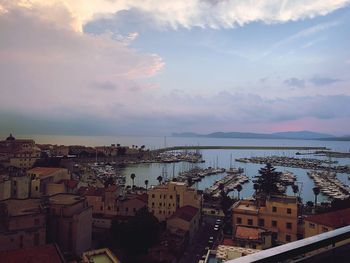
[{"x": 153, "y": 67}]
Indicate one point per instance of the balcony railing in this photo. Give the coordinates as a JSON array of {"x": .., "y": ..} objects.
[{"x": 297, "y": 249}]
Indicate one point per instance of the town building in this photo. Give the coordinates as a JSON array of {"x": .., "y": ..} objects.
[
  {"x": 278, "y": 214},
  {"x": 99, "y": 255},
  {"x": 165, "y": 199},
  {"x": 41, "y": 254},
  {"x": 70, "y": 223},
  {"x": 20, "y": 186},
  {"x": 186, "y": 218},
  {"x": 47, "y": 180},
  {"x": 18, "y": 153},
  {"x": 5, "y": 187},
  {"x": 224, "y": 253},
  {"x": 22, "y": 224},
  {"x": 321, "y": 223}
]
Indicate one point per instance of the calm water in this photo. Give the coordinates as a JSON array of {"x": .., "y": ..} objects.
[{"x": 222, "y": 157}]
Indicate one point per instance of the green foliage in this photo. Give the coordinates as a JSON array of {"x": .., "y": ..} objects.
[
  {"x": 138, "y": 234},
  {"x": 267, "y": 181}
]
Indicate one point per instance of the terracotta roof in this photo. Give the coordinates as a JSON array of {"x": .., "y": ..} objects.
[
  {"x": 334, "y": 219},
  {"x": 186, "y": 213},
  {"x": 247, "y": 232},
  {"x": 45, "y": 171},
  {"x": 47, "y": 253}
]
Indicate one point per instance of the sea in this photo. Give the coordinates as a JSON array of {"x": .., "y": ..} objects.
[{"x": 213, "y": 158}]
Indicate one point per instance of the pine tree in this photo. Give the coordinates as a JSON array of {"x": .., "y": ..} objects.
[{"x": 268, "y": 181}]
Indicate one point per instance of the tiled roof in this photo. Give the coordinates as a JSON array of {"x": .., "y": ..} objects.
[
  {"x": 247, "y": 232},
  {"x": 47, "y": 253},
  {"x": 334, "y": 219},
  {"x": 45, "y": 171},
  {"x": 186, "y": 213}
]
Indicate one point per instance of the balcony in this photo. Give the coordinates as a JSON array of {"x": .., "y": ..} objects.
[{"x": 312, "y": 249}]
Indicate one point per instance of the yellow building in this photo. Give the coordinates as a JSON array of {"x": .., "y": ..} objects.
[
  {"x": 185, "y": 218},
  {"x": 18, "y": 153},
  {"x": 164, "y": 200},
  {"x": 278, "y": 214},
  {"x": 47, "y": 180}
]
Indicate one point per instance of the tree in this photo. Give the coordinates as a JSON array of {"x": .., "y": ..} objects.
[
  {"x": 146, "y": 183},
  {"x": 256, "y": 188},
  {"x": 160, "y": 179},
  {"x": 316, "y": 191},
  {"x": 268, "y": 181},
  {"x": 109, "y": 181},
  {"x": 138, "y": 234},
  {"x": 239, "y": 189},
  {"x": 133, "y": 179},
  {"x": 189, "y": 181},
  {"x": 295, "y": 189}
]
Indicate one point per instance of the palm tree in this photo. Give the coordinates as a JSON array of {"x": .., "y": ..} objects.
[
  {"x": 160, "y": 179},
  {"x": 146, "y": 183},
  {"x": 239, "y": 189},
  {"x": 316, "y": 193},
  {"x": 295, "y": 189},
  {"x": 189, "y": 181},
  {"x": 133, "y": 179}
]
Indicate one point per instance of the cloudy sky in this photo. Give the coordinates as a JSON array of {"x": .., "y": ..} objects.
[{"x": 118, "y": 67}]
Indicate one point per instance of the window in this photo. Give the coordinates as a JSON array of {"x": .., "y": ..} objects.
[
  {"x": 126, "y": 209},
  {"x": 289, "y": 210},
  {"x": 36, "y": 221},
  {"x": 289, "y": 225},
  {"x": 311, "y": 225},
  {"x": 171, "y": 197},
  {"x": 134, "y": 209},
  {"x": 239, "y": 220},
  {"x": 250, "y": 222},
  {"x": 261, "y": 222},
  {"x": 324, "y": 229},
  {"x": 274, "y": 223},
  {"x": 274, "y": 209},
  {"x": 152, "y": 204},
  {"x": 152, "y": 195},
  {"x": 288, "y": 238}
]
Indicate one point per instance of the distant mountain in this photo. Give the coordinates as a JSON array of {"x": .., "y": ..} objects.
[
  {"x": 301, "y": 135},
  {"x": 304, "y": 135},
  {"x": 341, "y": 138}
]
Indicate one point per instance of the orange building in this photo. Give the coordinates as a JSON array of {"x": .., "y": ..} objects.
[{"x": 278, "y": 214}]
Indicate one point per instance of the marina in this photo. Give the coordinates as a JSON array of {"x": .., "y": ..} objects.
[{"x": 330, "y": 185}]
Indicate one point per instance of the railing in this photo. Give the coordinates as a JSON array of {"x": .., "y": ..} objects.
[{"x": 298, "y": 248}]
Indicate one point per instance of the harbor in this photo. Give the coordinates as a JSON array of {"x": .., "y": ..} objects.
[{"x": 329, "y": 185}]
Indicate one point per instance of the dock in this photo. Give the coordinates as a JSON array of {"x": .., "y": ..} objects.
[{"x": 237, "y": 147}]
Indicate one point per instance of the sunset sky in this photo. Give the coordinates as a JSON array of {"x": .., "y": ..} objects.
[{"x": 153, "y": 67}]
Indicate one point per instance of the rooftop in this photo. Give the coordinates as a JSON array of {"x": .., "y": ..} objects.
[
  {"x": 186, "y": 213},
  {"x": 231, "y": 252},
  {"x": 20, "y": 207},
  {"x": 249, "y": 232},
  {"x": 47, "y": 253},
  {"x": 103, "y": 255},
  {"x": 91, "y": 191},
  {"x": 65, "y": 199},
  {"x": 45, "y": 171},
  {"x": 334, "y": 219}
]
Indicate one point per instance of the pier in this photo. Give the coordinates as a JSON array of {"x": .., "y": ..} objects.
[{"x": 237, "y": 147}]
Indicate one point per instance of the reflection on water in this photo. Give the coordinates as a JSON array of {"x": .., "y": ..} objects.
[{"x": 152, "y": 171}]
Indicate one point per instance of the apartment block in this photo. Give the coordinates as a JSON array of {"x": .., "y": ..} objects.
[
  {"x": 164, "y": 200},
  {"x": 278, "y": 214},
  {"x": 22, "y": 224},
  {"x": 70, "y": 223}
]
